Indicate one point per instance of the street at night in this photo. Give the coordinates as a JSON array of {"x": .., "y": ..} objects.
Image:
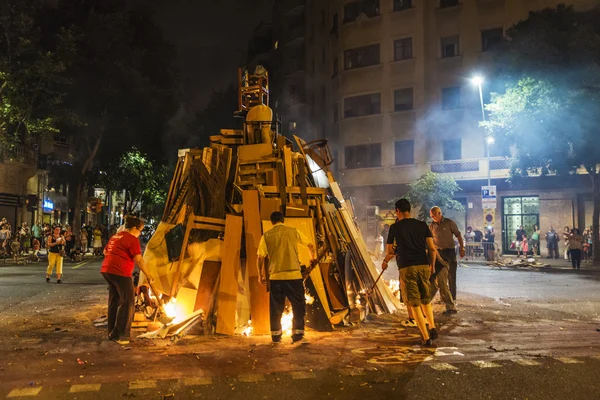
[{"x": 518, "y": 335}]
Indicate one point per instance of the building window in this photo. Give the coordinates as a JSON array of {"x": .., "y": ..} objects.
[
  {"x": 490, "y": 38},
  {"x": 451, "y": 98},
  {"x": 400, "y": 5},
  {"x": 353, "y": 10},
  {"x": 403, "y": 49},
  {"x": 452, "y": 149},
  {"x": 361, "y": 57},
  {"x": 335, "y": 68},
  {"x": 450, "y": 46},
  {"x": 335, "y": 23},
  {"x": 363, "y": 156},
  {"x": 336, "y": 112},
  {"x": 404, "y": 152},
  {"x": 448, "y": 3},
  {"x": 358, "y": 106},
  {"x": 403, "y": 99}
]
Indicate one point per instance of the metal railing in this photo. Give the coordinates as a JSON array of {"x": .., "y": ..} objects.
[
  {"x": 19, "y": 153},
  {"x": 484, "y": 251},
  {"x": 446, "y": 167}
]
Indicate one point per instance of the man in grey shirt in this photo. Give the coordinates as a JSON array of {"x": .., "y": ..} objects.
[{"x": 443, "y": 229}]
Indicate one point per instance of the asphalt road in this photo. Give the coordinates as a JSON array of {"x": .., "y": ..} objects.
[{"x": 518, "y": 335}]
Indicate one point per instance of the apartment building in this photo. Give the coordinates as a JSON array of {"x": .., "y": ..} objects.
[{"x": 389, "y": 83}]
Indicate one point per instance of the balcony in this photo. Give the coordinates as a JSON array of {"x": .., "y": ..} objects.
[
  {"x": 19, "y": 153},
  {"x": 447, "y": 167}
]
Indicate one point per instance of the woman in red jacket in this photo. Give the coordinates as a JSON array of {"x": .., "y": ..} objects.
[{"x": 121, "y": 253}]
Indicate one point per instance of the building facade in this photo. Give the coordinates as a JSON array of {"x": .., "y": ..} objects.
[{"x": 389, "y": 84}]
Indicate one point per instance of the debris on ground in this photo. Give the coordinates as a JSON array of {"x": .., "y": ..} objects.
[{"x": 516, "y": 263}]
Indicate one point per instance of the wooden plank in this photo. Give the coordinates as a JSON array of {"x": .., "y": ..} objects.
[
  {"x": 208, "y": 220},
  {"x": 259, "y": 298},
  {"x": 306, "y": 226},
  {"x": 311, "y": 191},
  {"x": 228, "y": 283},
  {"x": 338, "y": 300},
  {"x": 232, "y": 132},
  {"x": 177, "y": 264},
  {"x": 232, "y": 141},
  {"x": 296, "y": 210},
  {"x": 281, "y": 179},
  {"x": 287, "y": 160},
  {"x": 255, "y": 151},
  {"x": 208, "y": 227},
  {"x": 268, "y": 206},
  {"x": 207, "y": 285},
  {"x": 215, "y": 138},
  {"x": 260, "y": 161},
  {"x": 302, "y": 180}
]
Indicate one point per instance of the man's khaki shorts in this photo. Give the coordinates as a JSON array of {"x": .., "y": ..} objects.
[{"x": 415, "y": 286}]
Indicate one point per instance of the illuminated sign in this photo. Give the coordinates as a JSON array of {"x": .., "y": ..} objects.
[{"x": 48, "y": 205}]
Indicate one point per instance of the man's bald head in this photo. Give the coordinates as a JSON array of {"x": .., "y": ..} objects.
[{"x": 436, "y": 213}]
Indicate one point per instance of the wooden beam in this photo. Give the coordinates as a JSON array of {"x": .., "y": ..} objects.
[
  {"x": 302, "y": 180},
  {"x": 287, "y": 160},
  {"x": 228, "y": 283},
  {"x": 259, "y": 298},
  {"x": 295, "y": 190}
]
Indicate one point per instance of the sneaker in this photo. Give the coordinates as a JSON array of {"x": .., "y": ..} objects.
[
  {"x": 426, "y": 343},
  {"x": 276, "y": 338},
  {"x": 433, "y": 334},
  {"x": 409, "y": 323},
  {"x": 47, "y": 280},
  {"x": 297, "y": 338},
  {"x": 449, "y": 312},
  {"x": 122, "y": 342},
  {"x": 58, "y": 281}
]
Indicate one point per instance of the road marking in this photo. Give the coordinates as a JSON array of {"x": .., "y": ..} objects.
[
  {"x": 251, "y": 378},
  {"x": 303, "y": 375},
  {"x": 568, "y": 360},
  {"x": 142, "y": 385},
  {"x": 90, "y": 387},
  {"x": 526, "y": 362},
  {"x": 81, "y": 264},
  {"x": 25, "y": 392},
  {"x": 197, "y": 381},
  {"x": 443, "y": 367},
  {"x": 351, "y": 372},
  {"x": 485, "y": 364},
  {"x": 596, "y": 357}
]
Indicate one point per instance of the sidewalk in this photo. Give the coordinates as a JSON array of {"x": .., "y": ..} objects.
[{"x": 555, "y": 264}]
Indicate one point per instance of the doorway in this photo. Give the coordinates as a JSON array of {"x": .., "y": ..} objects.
[{"x": 518, "y": 211}]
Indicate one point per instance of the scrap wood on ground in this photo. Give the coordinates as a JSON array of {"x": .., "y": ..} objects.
[{"x": 202, "y": 257}]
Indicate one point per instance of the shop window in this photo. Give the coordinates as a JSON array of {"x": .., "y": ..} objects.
[
  {"x": 353, "y": 10},
  {"x": 403, "y": 49},
  {"x": 361, "y": 57},
  {"x": 358, "y": 106},
  {"x": 404, "y": 152},
  {"x": 452, "y": 149},
  {"x": 363, "y": 156}
]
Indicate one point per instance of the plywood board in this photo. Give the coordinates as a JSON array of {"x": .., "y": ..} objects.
[
  {"x": 287, "y": 159},
  {"x": 259, "y": 298},
  {"x": 306, "y": 226},
  {"x": 230, "y": 256},
  {"x": 268, "y": 206},
  {"x": 207, "y": 285},
  {"x": 252, "y": 152}
]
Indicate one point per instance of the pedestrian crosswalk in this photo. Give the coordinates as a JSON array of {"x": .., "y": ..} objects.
[{"x": 257, "y": 378}]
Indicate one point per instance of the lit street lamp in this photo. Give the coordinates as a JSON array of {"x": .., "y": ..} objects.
[{"x": 478, "y": 80}]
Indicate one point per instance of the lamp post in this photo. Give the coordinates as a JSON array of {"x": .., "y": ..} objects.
[{"x": 478, "y": 80}]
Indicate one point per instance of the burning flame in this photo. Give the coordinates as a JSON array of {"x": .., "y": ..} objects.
[
  {"x": 394, "y": 286},
  {"x": 173, "y": 311},
  {"x": 249, "y": 329},
  {"x": 287, "y": 321}
]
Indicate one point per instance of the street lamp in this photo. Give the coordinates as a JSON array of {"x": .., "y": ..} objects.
[{"x": 478, "y": 80}]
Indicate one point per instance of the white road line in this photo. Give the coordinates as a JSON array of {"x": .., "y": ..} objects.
[
  {"x": 485, "y": 364},
  {"x": 526, "y": 362},
  {"x": 443, "y": 367},
  {"x": 135, "y": 385},
  {"x": 303, "y": 375},
  {"x": 351, "y": 372},
  {"x": 568, "y": 360},
  {"x": 25, "y": 392},
  {"x": 251, "y": 378},
  {"x": 197, "y": 381},
  {"x": 596, "y": 357},
  {"x": 90, "y": 387}
]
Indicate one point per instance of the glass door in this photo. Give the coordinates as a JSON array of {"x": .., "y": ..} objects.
[{"x": 518, "y": 211}]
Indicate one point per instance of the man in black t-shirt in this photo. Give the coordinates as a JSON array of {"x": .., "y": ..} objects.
[
  {"x": 519, "y": 236},
  {"x": 415, "y": 255}
]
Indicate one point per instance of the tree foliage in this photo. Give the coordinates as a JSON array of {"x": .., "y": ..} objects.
[{"x": 432, "y": 190}]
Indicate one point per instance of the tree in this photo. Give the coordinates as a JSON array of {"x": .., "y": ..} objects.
[
  {"x": 30, "y": 77},
  {"x": 432, "y": 190},
  {"x": 549, "y": 109},
  {"x": 121, "y": 86},
  {"x": 139, "y": 178}
]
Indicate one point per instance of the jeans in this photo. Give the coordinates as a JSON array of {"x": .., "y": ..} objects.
[
  {"x": 293, "y": 290},
  {"x": 121, "y": 297},
  {"x": 440, "y": 282},
  {"x": 576, "y": 258}
]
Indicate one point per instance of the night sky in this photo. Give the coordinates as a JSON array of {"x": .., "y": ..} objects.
[{"x": 210, "y": 37}]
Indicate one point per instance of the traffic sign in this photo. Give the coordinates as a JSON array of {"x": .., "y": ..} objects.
[
  {"x": 489, "y": 217},
  {"x": 488, "y": 197}
]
